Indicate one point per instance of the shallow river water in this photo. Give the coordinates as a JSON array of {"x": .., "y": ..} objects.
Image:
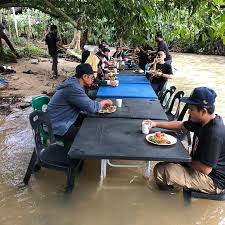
[{"x": 125, "y": 197}]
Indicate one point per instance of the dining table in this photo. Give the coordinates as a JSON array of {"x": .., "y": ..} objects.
[
  {"x": 128, "y": 79},
  {"x": 122, "y": 139},
  {"x": 136, "y": 109},
  {"x": 128, "y": 90}
]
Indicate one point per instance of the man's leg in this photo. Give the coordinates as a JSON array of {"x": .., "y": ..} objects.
[
  {"x": 169, "y": 175},
  {"x": 54, "y": 65}
]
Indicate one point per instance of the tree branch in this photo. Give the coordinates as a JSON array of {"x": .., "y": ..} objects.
[
  {"x": 44, "y": 10},
  {"x": 61, "y": 13}
]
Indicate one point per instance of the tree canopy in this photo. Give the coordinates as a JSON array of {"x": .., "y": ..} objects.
[{"x": 131, "y": 20}]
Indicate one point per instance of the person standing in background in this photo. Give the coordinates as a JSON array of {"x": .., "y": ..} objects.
[{"x": 53, "y": 43}]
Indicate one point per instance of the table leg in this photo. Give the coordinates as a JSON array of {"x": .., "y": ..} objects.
[
  {"x": 147, "y": 169},
  {"x": 103, "y": 168}
]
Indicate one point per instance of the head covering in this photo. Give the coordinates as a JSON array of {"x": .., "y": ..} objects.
[
  {"x": 202, "y": 96},
  {"x": 100, "y": 54},
  {"x": 84, "y": 68},
  {"x": 106, "y": 50}
]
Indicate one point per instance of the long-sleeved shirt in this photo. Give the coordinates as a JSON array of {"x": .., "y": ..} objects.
[{"x": 67, "y": 103}]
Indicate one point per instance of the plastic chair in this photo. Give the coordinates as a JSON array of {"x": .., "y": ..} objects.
[
  {"x": 188, "y": 194},
  {"x": 169, "y": 112},
  {"x": 54, "y": 156},
  {"x": 161, "y": 90},
  {"x": 182, "y": 134},
  {"x": 167, "y": 95},
  {"x": 40, "y": 103}
]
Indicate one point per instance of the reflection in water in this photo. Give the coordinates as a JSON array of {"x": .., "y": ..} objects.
[{"x": 125, "y": 197}]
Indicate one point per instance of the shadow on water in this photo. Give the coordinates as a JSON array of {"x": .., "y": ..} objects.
[{"x": 124, "y": 198}]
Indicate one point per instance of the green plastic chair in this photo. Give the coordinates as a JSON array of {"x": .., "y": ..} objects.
[{"x": 41, "y": 103}]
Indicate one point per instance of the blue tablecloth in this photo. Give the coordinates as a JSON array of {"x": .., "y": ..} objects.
[
  {"x": 127, "y": 91},
  {"x": 133, "y": 80},
  {"x": 129, "y": 73}
]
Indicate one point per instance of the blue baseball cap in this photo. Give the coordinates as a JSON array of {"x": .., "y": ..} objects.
[
  {"x": 84, "y": 68},
  {"x": 202, "y": 96}
]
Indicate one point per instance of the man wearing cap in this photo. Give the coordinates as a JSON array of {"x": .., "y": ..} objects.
[
  {"x": 69, "y": 100},
  {"x": 206, "y": 172}
]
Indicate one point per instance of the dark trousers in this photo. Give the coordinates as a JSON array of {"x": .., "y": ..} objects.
[
  {"x": 73, "y": 130},
  {"x": 54, "y": 64}
]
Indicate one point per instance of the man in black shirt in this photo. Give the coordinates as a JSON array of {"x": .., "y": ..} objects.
[
  {"x": 144, "y": 54},
  {"x": 52, "y": 41},
  {"x": 162, "y": 46},
  {"x": 160, "y": 72},
  {"x": 206, "y": 172}
]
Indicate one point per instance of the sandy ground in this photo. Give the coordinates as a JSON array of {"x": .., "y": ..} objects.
[{"x": 33, "y": 84}]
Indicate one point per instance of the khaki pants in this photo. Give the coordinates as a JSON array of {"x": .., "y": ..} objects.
[{"x": 172, "y": 175}]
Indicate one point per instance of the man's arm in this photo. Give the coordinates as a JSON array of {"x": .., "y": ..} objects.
[
  {"x": 172, "y": 125},
  {"x": 196, "y": 165}
]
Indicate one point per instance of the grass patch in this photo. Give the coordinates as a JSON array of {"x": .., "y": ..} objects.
[{"x": 25, "y": 48}]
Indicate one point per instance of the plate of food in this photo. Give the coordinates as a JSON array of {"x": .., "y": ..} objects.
[
  {"x": 160, "y": 138},
  {"x": 109, "y": 109}
]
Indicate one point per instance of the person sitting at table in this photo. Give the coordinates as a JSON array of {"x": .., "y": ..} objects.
[
  {"x": 160, "y": 72},
  {"x": 95, "y": 60},
  {"x": 118, "y": 54},
  {"x": 206, "y": 172},
  {"x": 106, "y": 52},
  {"x": 69, "y": 100},
  {"x": 85, "y": 54}
]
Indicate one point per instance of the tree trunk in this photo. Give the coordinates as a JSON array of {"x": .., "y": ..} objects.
[
  {"x": 29, "y": 25},
  {"x": 121, "y": 42},
  {"x": 84, "y": 39},
  {"x": 75, "y": 44},
  {"x": 1, "y": 49},
  {"x": 15, "y": 21}
]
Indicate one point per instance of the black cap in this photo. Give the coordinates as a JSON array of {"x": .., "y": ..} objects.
[
  {"x": 100, "y": 54},
  {"x": 106, "y": 50},
  {"x": 202, "y": 96},
  {"x": 84, "y": 68}
]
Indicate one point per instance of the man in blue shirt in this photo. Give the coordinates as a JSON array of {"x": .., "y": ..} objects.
[
  {"x": 206, "y": 172},
  {"x": 70, "y": 99}
]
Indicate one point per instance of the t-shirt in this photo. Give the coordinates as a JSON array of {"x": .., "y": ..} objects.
[
  {"x": 162, "y": 46},
  {"x": 209, "y": 147},
  {"x": 51, "y": 39},
  {"x": 118, "y": 55},
  {"x": 84, "y": 56},
  {"x": 164, "y": 68},
  {"x": 142, "y": 55}
]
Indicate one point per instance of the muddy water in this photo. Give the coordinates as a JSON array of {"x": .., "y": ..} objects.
[{"x": 125, "y": 197}]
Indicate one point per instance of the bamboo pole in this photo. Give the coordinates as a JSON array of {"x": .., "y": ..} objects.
[{"x": 15, "y": 21}]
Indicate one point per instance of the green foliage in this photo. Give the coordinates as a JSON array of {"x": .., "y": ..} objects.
[
  {"x": 26, "y": 49},
  {"x": 191, "y": 24}
]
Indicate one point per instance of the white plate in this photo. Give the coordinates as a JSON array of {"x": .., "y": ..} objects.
[{"x": 171, "y": 138}]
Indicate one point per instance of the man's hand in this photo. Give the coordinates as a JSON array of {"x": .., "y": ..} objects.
[
  {"x": 156, "y": 60},
  {"x": 152, "y": 123},
  {"x": 105, "y": 103},
  {"x": 158, "y": 74},
  {"x": 113, "y": 83}
]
